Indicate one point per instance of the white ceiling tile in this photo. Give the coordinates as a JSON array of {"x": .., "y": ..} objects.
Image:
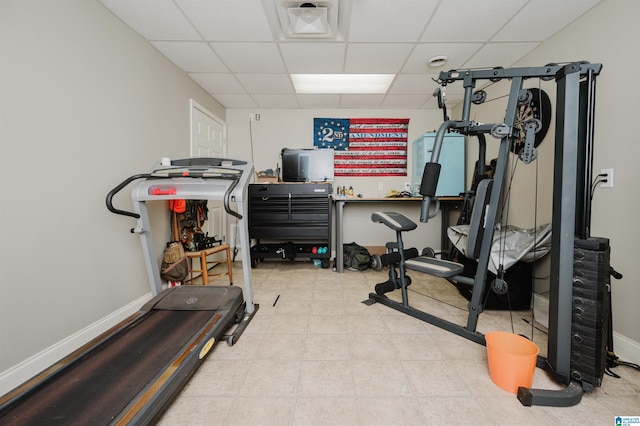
[
  {"x": 361, "y": 101},
  {"x": 375, "y": 36},
  {"x": 236, "y": 101},
  {"x": 540, "y": 19},
  {"x": 494, "y": 55},
  {"x": 217, "y": 82},
  {"x": 389, "y": 21},
  {"x": 412, "y": 84},
  {"x": 432, "y": 103},
  {"x": 266, "y": 83},
  {"x": 276, "y": 101},
  {"x": 470, "y": 20},
  {"x": 191, "y": 56},
  {"x": 313, "y": 58},
  {"x": 404, "y": 101},
  {"x": 381, "y": 58},
  {"x": 228, "y": 20},
  {"x": 250, "y": 57},
  {"x": 458, "y": 54},
  {"x": 318, "y": 101},
  {"x": 153, "y": 19},
  {"x": 451, "y": 101}
]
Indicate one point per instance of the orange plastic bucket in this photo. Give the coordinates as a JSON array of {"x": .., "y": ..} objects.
[{"x": 512, "y": 360}]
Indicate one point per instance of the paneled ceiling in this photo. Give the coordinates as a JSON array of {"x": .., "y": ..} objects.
[{"x": 240, "y": 51}]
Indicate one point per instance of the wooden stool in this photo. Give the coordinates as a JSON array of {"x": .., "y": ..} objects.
[{"x": 204, "y": 264}]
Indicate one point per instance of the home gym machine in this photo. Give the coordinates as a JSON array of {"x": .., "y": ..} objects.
[
  {"x": 131, "y": 373},
  {"x": 579, "y": 276}
]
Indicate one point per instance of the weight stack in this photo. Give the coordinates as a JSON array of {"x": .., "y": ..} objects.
[{"x": 590, "y": 311}]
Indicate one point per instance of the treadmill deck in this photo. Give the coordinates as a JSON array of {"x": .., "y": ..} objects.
[{"x": 99, "y": 385}]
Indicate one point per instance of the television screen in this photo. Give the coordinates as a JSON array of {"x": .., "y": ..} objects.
[{"x": 307, "y": 165}]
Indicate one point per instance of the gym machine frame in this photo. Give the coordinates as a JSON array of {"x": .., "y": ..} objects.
[{"x": 571, "y": 201}]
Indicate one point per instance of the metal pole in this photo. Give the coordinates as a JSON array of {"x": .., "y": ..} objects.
[{"x": 564, "y": 217}]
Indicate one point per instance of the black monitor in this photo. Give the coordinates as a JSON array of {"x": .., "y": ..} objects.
[{"x": 307, "y": 165}]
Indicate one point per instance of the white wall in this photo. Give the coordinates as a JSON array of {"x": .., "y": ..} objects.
[{"x": 84, "y": 103}]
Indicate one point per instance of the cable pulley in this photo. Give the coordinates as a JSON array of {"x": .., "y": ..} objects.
[
  {"x": 499, "y": 286},
  {"x": 524, "y": 97},
  {"x": 495, "y": 72},
  {"x": 549, "y": 77},
  {"x": 479, "y": 97},
  {"x": 500, "y": 131}
]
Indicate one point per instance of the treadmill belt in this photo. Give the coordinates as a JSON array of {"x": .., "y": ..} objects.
[{"x": 97, "y": 387}]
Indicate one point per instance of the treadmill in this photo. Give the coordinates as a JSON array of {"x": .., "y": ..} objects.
[{"x": 131, "y": 373}]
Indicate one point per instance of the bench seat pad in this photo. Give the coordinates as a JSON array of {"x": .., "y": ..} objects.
[{"x": 433, "y": 266}]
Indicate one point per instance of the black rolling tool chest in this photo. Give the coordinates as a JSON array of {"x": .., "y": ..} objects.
[{"x": 290, "y": 220}]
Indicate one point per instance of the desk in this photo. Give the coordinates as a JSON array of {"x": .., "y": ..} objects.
[{"x": 446, "y": 204}]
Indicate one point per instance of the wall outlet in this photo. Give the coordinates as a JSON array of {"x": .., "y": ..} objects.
[
  {"x": 606, "y": 174},
  {"x": 407, "y": 186}
]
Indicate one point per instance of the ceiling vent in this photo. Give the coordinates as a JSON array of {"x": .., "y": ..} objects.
[{"x": 308, "y": 20}]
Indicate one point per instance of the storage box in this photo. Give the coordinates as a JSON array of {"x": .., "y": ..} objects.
[{"x": 261, "y": 178}]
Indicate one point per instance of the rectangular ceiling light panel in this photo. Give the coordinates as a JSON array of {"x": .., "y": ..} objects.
[{"x": 342, "y": 83}]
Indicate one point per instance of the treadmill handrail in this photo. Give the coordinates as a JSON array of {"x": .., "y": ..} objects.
[
  {"x": 227, "y": 197},
  {"x": 119, "y": 188},
  {"x": 123, "y": 184}
]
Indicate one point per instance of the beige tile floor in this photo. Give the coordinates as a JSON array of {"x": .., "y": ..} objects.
[{"x": 321, "y": 357}]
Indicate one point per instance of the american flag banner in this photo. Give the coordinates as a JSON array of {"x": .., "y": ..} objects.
[{"x": 364, "y": 146}]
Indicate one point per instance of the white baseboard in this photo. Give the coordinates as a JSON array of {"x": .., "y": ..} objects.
[
  {"x": 624, "y": 348},
  {"x": 19, "y": 373}
]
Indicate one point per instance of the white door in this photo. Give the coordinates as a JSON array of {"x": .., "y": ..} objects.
[
  {"x": 207, "y": 133},
  {"x": 208, "y": 139}
]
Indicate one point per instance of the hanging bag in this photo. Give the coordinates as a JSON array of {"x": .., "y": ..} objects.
[{"x": 175, "y": 266}]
